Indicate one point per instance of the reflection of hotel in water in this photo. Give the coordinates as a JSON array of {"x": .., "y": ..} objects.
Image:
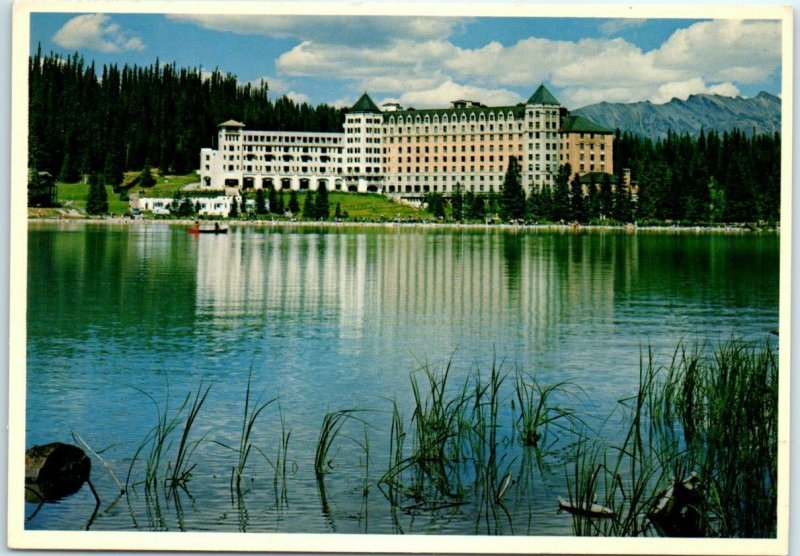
[{"x": 381, "y": 282}]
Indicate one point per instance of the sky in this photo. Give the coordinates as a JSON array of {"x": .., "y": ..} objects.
[{"x": 431, "y": 61}]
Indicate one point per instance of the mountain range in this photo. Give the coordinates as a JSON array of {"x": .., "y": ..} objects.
[{"x": 761, "y": 114}]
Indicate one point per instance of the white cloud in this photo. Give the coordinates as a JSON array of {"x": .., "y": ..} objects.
[
  {"x": 614, "y": 26},
  {"x": 335, "y": 29},
  {"x": 745, "y": 51},
  {"x": 449, "y": 91},
  {"x": 299, "y": 98},
  {"x": 418, "y": 64},
  {"x": 96, "y": 32},
  {"x": 281, "y": 87},
  {"x": 683, "y": 89}
]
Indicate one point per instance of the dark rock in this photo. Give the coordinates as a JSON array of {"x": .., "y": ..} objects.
[{"x": 55, "y": 470}]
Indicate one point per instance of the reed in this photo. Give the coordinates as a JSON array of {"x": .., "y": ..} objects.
[
  {"x": 536, "y": 412},
  {"x": 332, "y": 425},
  {"x": 181, "y": 470},
  {"x": 702, "y": 429},
  {"x": 158, "y": 443},
  {"x": 252, "y": 410}
]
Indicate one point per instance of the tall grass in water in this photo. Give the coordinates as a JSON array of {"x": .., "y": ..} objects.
[
  {"x": 536, "y": 413},
  {"x": 426, "y": 478},
  {"x": 157, "y": 444},
  {"x": 712, "y": 412},
  {"x": 252, "y": 410},
  {"x": 332, "y": 425}
]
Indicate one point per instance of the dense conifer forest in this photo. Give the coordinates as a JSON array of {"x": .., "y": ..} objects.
[
  {"x": 716, "y": 177},
  {"x": 84, "y": 121}
]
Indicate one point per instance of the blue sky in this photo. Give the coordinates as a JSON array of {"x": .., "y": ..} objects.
[{"x": 427, "y": 61}]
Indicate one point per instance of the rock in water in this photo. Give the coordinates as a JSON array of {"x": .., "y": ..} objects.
[{"x": 55, "y": 470}]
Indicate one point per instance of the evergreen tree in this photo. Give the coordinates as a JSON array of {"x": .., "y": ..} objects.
[
  {"x": 457, "y": 203},
  {"x": 69, "y": 170},
  {"x": 604, "y": 199},
  {"x": 261, "y": 203},
  {"x": 561, "y": 205},
  {"x": 533, "y": 205},
  {"x": 590, "y": 203},
  {"x": 309, "y": 211},
  {"x": 186, "y": 209},
  {"x": 435, "y": 204},
  {"x": 273, "y": 200},
  {"x": 97, "y": 198},
  {"x": 577, "y": 207},
  {"x": 547, "y": 203},
  {"x": 474, "y": 206},
  {"x": 716, "y": 207},
  {"x": 41, "y": 189},
  {"x": 337, "y": 214},
  {"x": 281, "y": 204},
  {"x": 512, "y": 196},
  {"x": 622, "y": 210},
  {"x": 146, "y": 178},
  {"x": 112, "y": 171},
  {"x": 294, "y": 205},
  {"x": 322, "y": 207},
  {"x": 234, "y": 212}
]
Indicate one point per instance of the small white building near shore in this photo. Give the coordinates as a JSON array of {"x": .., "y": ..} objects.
[{"x": 204, "y": 206}]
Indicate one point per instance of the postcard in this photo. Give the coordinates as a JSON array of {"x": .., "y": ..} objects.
[{"x": 367, "y": 277}]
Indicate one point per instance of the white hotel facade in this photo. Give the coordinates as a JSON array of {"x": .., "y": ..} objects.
[{"x": 408, "y": 152}]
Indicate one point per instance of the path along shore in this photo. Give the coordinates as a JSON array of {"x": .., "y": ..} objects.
[{"x": 126, "y": 221}]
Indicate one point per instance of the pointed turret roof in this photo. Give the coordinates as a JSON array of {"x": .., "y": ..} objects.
[
  {"x": 365, "y": 104},
  {"x": 543, "y": 96}
]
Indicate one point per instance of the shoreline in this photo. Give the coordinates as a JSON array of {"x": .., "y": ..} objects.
[{"x": 450, "y": 226}]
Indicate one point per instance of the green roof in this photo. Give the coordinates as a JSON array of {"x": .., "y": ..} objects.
[
  {"x": 579, "y": 124},
  {"x": 518, "y": 111},
  {"x": 365, "y": 104},
  {"x": 543, "y": 96}
]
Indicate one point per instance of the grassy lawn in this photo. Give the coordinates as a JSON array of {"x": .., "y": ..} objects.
[
  {"x": 165, "y": 185},
  {"x": 73, "y": 195},
  {"x": 371, "y": 206},
  {"x": 358, "y": 206}
]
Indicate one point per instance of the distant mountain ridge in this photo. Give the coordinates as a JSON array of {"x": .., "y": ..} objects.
[{"x": 761, "y": 113}]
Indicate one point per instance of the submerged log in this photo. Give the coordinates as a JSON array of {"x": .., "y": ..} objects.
[
  {"x": 55, "y": 470},
  {"x": 591, "y": 510}
]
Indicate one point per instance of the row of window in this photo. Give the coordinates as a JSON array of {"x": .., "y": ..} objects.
[
  {"x": 451, "y": 131},
  {"x": 453, "y": 149},
  {"x": 417, "y": 119},
  {"x": 279, "y": 149},
  {"x": 325, "y": 138}
]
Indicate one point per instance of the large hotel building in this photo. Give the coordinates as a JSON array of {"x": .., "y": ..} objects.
[{"x": 408, "y": 152}]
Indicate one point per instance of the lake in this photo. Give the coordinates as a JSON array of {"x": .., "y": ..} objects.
[{"x": 126, "y": 320}]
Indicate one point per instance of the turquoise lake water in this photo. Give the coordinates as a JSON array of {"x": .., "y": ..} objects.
[{"x": 332, "y": 319}]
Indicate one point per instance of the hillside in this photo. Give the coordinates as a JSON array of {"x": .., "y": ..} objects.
[{"x": 762, "y": 114}]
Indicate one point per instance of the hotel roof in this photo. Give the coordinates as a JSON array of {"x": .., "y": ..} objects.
[
  {"x": 365, "y": 105},
  {"x": 579, "y": 124},
  {"x": 543, "y": 96}
]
